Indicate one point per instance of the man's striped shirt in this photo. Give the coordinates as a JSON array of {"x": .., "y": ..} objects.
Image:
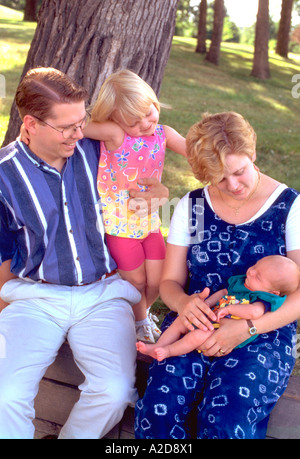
[{"x": 51, "y": 222}]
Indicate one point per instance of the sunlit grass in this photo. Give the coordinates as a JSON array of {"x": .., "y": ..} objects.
[
  {"x": 193, "y": 86},
  {"x": 15, "y": 39},
  {"x": 8, "y": 13}
]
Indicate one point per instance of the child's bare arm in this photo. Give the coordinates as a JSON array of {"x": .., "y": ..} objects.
[
  {"x": 244, "y": 311},
  {"x": 109, "y": 132},
  {"x": 175, "y": 141}
]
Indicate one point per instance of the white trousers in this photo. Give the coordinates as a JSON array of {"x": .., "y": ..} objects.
[{"x": 98, "y": 321}]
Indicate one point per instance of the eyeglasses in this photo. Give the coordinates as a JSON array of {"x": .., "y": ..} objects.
[{"x": 68, "y": 131}]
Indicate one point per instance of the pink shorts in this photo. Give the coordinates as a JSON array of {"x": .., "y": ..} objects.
[{"x": 129, "y": 253}]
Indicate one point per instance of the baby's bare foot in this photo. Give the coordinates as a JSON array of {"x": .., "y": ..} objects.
[
  {"x": 147, "y": 349},
  {"x": 142, "y": 347},
  {"x": 161, "y": 353}
]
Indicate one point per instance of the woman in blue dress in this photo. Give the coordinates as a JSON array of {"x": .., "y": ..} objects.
[{"x": 239, "y": 217}]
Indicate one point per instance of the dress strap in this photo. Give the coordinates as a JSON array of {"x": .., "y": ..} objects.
[{"x": 196, "y": 210}]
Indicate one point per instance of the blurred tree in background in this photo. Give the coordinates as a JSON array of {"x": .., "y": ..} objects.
[{"x": 90, "y": 39}]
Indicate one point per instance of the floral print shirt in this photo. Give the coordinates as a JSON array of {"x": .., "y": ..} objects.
[{"x": 119, "y": 171}]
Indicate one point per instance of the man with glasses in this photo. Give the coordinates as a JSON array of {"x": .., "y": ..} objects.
[
  {"x": 68, "y": 131},
  {"x": 56, "y": 273}
]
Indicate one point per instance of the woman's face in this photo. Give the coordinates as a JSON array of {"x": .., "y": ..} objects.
[{"x": 239, "y": 177}]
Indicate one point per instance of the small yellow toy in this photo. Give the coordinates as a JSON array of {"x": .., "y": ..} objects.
[
  {"x": 222, "y": 303},
  {"x": 225, "y": 301}
]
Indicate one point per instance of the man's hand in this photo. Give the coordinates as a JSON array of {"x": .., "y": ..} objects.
[
  {"x": 5, "y": 275},
  {"x": 147, "y": 202}
]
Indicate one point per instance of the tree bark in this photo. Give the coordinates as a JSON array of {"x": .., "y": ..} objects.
[
  {"x": 30, "y": 10},
  {"x": 90, "y": 39},
  {"x": 283, "y": 36},
  {"x": 201, "y": 39},
  {"x": 213, "y": 54},
  {"x": 260, "y": 67}
]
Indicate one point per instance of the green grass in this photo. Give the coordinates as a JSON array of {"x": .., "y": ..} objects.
[
  {"x": 192, "y": 86},
  {"x": 9, "y": 13},
  {"x": 15, "y": 39}
]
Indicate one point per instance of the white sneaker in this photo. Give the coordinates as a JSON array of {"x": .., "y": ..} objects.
[
  {"x": 155, "y": 330},
  {"x": 144, "y": 333}
]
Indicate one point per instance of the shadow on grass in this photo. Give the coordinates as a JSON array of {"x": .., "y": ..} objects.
[{"x": 17, "y": 31}]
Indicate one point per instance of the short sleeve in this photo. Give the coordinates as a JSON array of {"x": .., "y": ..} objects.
[
  {"x": 270, "y": 300},
  {"x": 179, "y": 233},
  {"x": 292, "y": 227}
]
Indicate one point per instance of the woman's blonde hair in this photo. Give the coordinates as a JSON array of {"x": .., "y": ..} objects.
[
  {"x": 126, "y": 93},
  {"x": 213, "y": 138}
]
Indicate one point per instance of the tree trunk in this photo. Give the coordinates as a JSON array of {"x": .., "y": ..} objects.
[
  {"x": 283, "y": 37},
  {"x": 260, "y": 67},
  {"x": 30, "y": 10},
  {"x": 90, "y": 39},
  {"x": 201, "y": 39},
  {"x": 214, "y": 50}
]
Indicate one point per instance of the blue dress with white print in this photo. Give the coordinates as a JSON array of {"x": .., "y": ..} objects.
[{"x": 232, "y": 396}]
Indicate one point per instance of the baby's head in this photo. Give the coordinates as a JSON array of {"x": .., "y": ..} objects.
[
  {"x": 275, "y": 274},
  {"x": 126, "y": 94}
]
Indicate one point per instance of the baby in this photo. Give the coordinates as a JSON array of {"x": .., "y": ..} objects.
[{"x": 263, "y": 288}]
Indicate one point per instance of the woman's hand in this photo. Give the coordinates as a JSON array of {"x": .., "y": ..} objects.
[
  {"x": 230, "y": 334},
  {"x": 197, "y": 313}
]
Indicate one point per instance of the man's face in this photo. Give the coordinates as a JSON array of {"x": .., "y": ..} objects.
[{"x": 50, "y": 144}]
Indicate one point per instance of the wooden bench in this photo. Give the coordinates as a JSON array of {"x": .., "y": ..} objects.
[{"x": 58, "y": 392}]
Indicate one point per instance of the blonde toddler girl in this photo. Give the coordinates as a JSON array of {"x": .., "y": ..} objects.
[{"x": 125, "y": 118}]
